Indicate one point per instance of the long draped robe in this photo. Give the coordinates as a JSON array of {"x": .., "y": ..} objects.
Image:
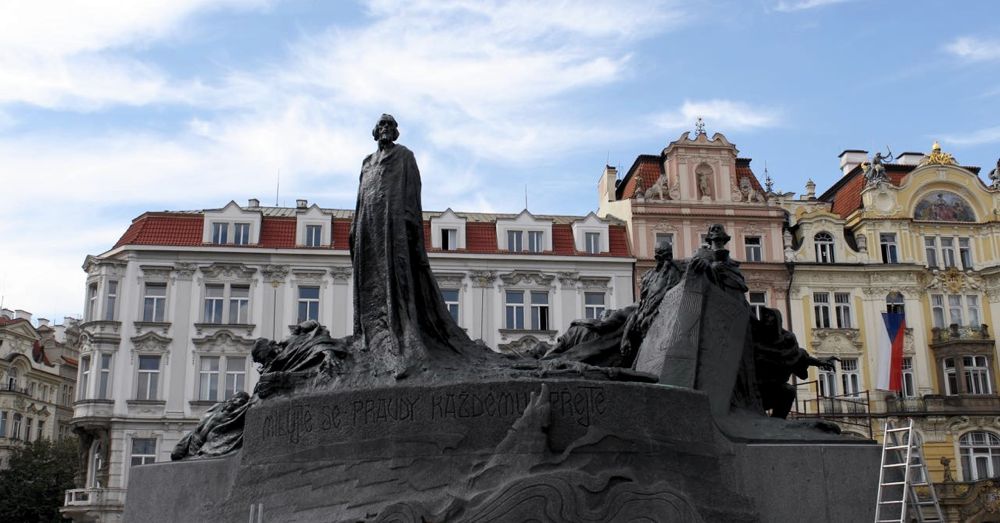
[{"x": 399, "y": 314}]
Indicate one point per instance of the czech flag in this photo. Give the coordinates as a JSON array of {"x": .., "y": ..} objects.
[{"x": 890, "y": 352}]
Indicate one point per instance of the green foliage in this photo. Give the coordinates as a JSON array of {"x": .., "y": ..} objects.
[{"x": 39, "y": 473}]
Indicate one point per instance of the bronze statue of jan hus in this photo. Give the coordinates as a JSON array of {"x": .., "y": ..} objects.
[{"x": 653, "y": 286}]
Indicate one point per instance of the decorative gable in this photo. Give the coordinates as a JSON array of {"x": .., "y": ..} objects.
[
  {"x": 226, "y": 226},
  {"x": 585, "y": 229},
  {"x": 525, "y": 223},
  {"x": 306, "y": 222},
  {"x": 448, "y": 231}
]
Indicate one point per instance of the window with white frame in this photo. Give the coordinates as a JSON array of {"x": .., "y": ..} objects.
[
  {"x": 104, "y": 378},
  {"x": 148, "y": 379},
  {"x": 937, "y": 310},
  {"x": 821, "y": 309},
  {"x": 948, "y": 252},
  {"x": 980, "y": 452},
  {"x": 850, "y": 377},
  {"x": 85, "y": 371},
  {"x": 239, "y": 304},
  {"x": 539, "y": 310},
  {"x": 909, "y": 383},
  {"x": 143, "y": 451},
  {"x": 824, "y": 247},
  {"x": 663, "y": 237},
  {"x": 593, "y": 242},
  {"x": 514, "y": 241},
  {"x": 890, "y": 253},
  {"x": 3, "y": 424},
  {"x": 208, "y": 378},
  {"x": 308, "y": 305},
  {"x": 236, "y": 372},
  {"x": 28, "y": 422},
  {"x": 450, "y": 297},
  {"x": 535, "y": 241},
  {"x": 976, "y": 372},
  {"x": 930, "y": 250},
  {"x": 214, "y": 300},
  {"x": 220, "y": 232},
  {"x": 593, "y": 305},
  {"x": 965, "y": 253},
  {"x": 950, "y": 377},
  {"x": 827, "y": 383},
  {"x": 31, "y": 389},
  {"x": 449, "y": 239},
  {"x": 154, "y": 303},
  {"x": 842, "y": 309},
  {"x": 961, "y": 310},
  {"x": 972, "y": 307},
  {"x": 91, "y": 302},
  {"x": 15, "y": 426},
  {"x": 40, "y": 434},
  {"x": 67, "y": 395},
  {"x": 894, "y": 303},
  {"x": 111, "y": 300},
  {"x": 314, "y": 235},
  {"x": 758, "y": 301},
  {"x": 753, "y": 248},
  {"x": 514, "y": 309},
  {"x": 241, "y": 233}
]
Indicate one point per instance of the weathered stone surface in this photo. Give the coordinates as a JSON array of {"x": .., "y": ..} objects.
[{"x": 486, "y": 451}]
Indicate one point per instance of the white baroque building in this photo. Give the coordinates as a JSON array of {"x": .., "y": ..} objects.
[{"x": 173, "y": 308}]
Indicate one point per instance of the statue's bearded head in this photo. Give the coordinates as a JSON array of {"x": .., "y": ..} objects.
[
  {"x": 386, "y": 129},
  {"x": 664, "y": 251}
]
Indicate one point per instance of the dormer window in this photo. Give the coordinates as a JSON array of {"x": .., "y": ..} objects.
[
  {"x": 241, "y": 234},
  {"x": 534, "y": 241},
  {"x": 449, "y": 239},
  {"x": 824, "y": 247},
  {"x": 314, "y": 235},
  {"x": 593, "y": 242},
  {"x": 220, "y": 233},
  {"x": 514, "y": 241}
]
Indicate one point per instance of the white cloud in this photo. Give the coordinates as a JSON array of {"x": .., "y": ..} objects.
[
  {"x": 725, "y": 115},
  {"x": 979, "y": 137},
  {"x": 787, "y": 6},
  {"x": 975, "y": 49}
]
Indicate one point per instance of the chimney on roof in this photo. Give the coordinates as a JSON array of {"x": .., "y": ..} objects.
[
  {"x": 43, "y": 322},
  {"x": 909, "y": 158},
  {"x": 851, "y": 158},
  {"x": 22, "y": 315},
  {"x": 606, "y": 187},
  {"x": 810, "y": 190},
  {"x": 7, "y": 313},
  {"x": 254, "y": 203},
  {"x": 68, "y": 321},
  {"x": 301, "y": 204}
]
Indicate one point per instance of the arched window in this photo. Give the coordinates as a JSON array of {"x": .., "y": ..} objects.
[
  {"x": 894, "y": 303},
  {"x": 980, "y": 452},
  {"x": 824, "y": 247}
]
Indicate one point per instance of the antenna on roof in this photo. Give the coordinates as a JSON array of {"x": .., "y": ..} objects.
[
  {"x": 526, "y": 197},
  {"x": 277, "y": 189},
  {"x": 768, "y": 182}
]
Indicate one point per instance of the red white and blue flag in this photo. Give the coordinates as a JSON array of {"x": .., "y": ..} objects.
[{"x": 890, "y": 352}]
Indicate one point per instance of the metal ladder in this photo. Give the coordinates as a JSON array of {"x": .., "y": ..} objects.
[{"x": 903, "y": 472}]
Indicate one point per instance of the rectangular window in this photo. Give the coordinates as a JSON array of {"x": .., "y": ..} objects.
[
  {"x": 314, "y": 235},
  {"x": 3, "y": 424},
  {"x": 514, "y": 241},
  {"x": 91, "y": 302},
  {"x": 955, "y": 309},
  {"x": 937, "y": 310},
  {"x": 111, "y": 301},
  {"x": 241, "y": 234},
  {"x": 154, "y": 302},
  {"x": 842, "y": 303},
  {"x": 67, "y": 395},
  {"x": 143, "y": 451},
  {"x": 950, "y": 377},
  {"x": 889, "y": 250},
  {"x": 930, "y": 250},
  {"x": 593, "y": 241},
  {"x": 28, "y": 422},
  {"x": 821, "y": 309},
  {"x": 236, "y": 372},
  {"x": 850, "y": 377},
  {"x": 208, "y": 378},
  {"x": 539, "y": 311},
  {"x": 104, "y": 380},
  {"x": 220, "y": 233},
  {"x": 308, "y": 304},
  {"x": 15, "y": 428},
  {"x": 753, "y": 248},
  {"x": 214, "y": 298},
  {"x": 662, "y": 237},
  {"x": 451, "y": 302},
  {"x": 972, "y": 306},
  {"x": 977, "y": 375},
  {"x": 449, "y": 239},
  {"x": 40, "y": 434},
  {"x": 909, "y": 385},
  {"x": 827, "y": 383},
  {"x": 593, "y": 305},
  {"x": 534, "y": 241},
  {"x": 948, "y": 252},
  {"x": 239, "y": 304},
  {"x": 514, "y": 309},
  {"x": 148, "y": 378},
  {"x": 965, "y": 253},
  {"x": 758, "y": 300},
  {"x": 84, "y": 376}
]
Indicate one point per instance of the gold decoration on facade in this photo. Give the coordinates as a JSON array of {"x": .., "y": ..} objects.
[{"x": 937, "y": 157}]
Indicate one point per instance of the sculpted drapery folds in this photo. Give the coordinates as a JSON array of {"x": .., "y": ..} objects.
[{"x": 400, "y": 317}]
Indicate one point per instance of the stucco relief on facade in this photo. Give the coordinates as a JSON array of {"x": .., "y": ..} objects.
[
  {"x": 151, "y": 343},
  {"x": 482, "y": 279},
  {"x": 340, "y": 274},
  {"x": 953, "y": 280},
  {"x": 274, "y": 274},
  {"x": 228, "y": 271},
  {"x": 528, "y": 278},
  {"x": 450, "y": 280},
  {"x": 837, "y": 342}
]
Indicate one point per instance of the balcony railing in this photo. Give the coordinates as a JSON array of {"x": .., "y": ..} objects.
[
  {"x": 853, "y": 410},
  {"x": 8, "y": 387},
  {"x": 956, "y": 332},
  {"x": 92, "y": 497},
  {"x": 952, "y": 405}
]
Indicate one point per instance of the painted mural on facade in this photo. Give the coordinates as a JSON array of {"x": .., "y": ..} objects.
[{"x": 944, "y": 207}]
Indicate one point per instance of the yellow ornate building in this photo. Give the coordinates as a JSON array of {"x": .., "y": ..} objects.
[{"x": 919, "y": 236}]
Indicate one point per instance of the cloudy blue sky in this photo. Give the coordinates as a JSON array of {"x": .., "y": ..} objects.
[{"x": 109, "y": 109}]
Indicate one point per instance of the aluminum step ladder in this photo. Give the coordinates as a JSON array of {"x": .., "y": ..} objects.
[{"x": 903, "y": 487}]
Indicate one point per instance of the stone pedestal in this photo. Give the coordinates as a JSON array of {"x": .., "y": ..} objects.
[{"x": 569, "y": 450}]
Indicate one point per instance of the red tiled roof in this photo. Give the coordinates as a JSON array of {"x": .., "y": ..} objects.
[
  {"x": 562, "y": 239},
  {"x": 277, "y": 233},
  {"x": 846, "y": 193},
  {"x": 164, "y": 229},
  {"x": 618, "y": 241},
  {"x": 646, "y": 167},
  {"x": 743, "y": 171},
  {"x": 341, "y": 233},
  {"x": 10, "y": 321},
  {"x": 427, "y": 234},
  {"x": 481, "y": 237}
]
